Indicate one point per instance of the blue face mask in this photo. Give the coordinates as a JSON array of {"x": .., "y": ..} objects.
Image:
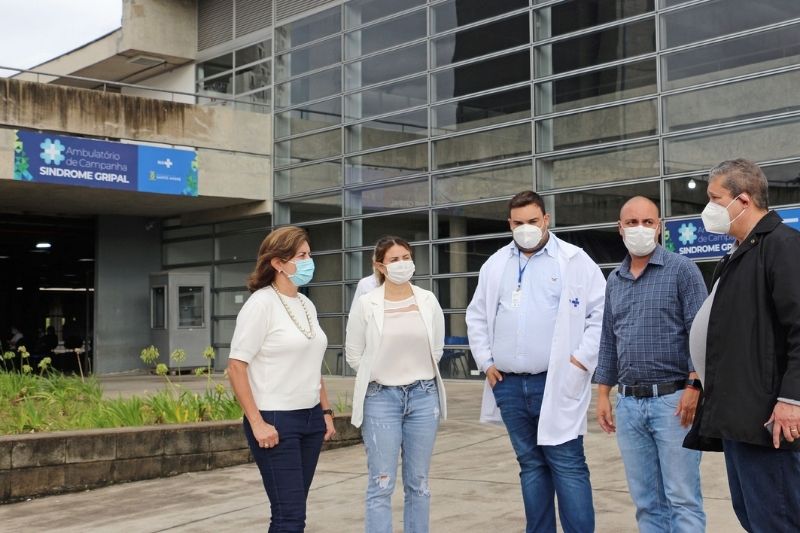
[{"x": 304, "y": 272}]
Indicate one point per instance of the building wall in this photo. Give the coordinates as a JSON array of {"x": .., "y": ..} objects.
[
  {"x": 233, "y": 146},
  {"x": 127, "y": 252}
]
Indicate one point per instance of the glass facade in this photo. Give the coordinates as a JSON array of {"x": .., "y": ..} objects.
[{"x": 422, "y": 118}]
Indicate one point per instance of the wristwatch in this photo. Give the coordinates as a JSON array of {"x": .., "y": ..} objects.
[
  {"x": 328, "y": 412},
  {"x": 694, "y": 384}
]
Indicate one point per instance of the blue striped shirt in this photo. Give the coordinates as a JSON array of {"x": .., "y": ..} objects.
[{"x": 646, "y": 321}]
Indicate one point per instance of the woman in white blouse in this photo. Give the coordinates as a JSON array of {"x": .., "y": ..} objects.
[
  {"x": 395, "y": 338},
  {"x": 275, "y": 370}
]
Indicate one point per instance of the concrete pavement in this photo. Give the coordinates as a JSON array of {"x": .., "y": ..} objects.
[{"x": 474, "y": 480}]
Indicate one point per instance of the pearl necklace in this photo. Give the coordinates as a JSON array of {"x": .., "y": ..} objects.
[{"x": 309, "y": 333}]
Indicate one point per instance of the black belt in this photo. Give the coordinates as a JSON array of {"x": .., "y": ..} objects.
[{"x": 650, "y": 391}]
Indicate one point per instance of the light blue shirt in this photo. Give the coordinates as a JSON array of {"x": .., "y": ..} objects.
[{"x": 523, "y": 330}]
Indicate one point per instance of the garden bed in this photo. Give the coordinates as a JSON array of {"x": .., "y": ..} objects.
[{"x": 40, "y": 464}]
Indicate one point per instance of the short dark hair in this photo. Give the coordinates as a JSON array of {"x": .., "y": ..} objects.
[
  {"x": 524, "y": 198},
  {"x": 743, "y": 175},
  {"x": 382, "y": 246}
]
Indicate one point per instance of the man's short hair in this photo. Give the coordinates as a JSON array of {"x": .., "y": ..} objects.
[
  {"x": 525, "y": 198},
  {"x": 743, "y": 175}
]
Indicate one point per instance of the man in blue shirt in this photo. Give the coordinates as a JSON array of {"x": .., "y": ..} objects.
[
  {"x": 651, "y": 301},
  {"x": 534, "y": 329}
]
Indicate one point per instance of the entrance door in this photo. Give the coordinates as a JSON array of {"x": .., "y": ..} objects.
[{"x": 47, "y": 288}]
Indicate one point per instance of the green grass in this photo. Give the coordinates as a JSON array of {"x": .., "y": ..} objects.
[{"x": 54, "y": 402}]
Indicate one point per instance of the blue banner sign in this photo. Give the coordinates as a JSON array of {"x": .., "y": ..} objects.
[
  {"x": 689, "y": 237},
  {"x": 65, "y": 160}
]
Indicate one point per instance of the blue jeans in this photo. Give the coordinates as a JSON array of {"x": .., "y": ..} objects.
[
  {"x": 399, "y": 420},
  {"x": 765, "y": 487},
  {"x": 545, "y": 471},
  {"x": 663, "y": 476},
  {"x": 288, "y": 468}
]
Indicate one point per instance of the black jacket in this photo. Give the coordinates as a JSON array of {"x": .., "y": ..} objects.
[{"x": 753, "y": 344}]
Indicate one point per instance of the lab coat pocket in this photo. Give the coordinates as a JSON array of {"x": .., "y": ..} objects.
[{"x": 575, "y": 382}]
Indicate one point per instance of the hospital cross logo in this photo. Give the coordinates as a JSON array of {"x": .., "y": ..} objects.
[
  {"x": 688, "y": 233},
  {"x": 52, "y": 152}
]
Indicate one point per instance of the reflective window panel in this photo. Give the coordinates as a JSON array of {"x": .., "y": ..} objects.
[
  {"x": 612, "y": 44},
  {"x": 758, "y": 142},
  {"x": 465, "y": 256},
  {"x": 238, "y": 246},
  {"x": 471, "y": 220},
  {"x": 385, "y": 67},
  {"x": 253, "y": 53},
  {"x": 326, "y": 298},
  {"x": 604, "y": 245},
  {"x": 308, "y": 178},
  {"x": 410, "y": 226},
  {"x": 308, "y": 29},
  {"x": 213, "y": 67},
  {"x": 332, "y": 326},
  {"x": 598, "y": 166},
  {"x": 327, "y": 267},
  {"x": 693, "y": 24},
  {"x": 252, "y": 77},
  {"x": 576, "y": 15},
  {"x": 735, "y": 57},
  {"x": 308, "y": 148},
  {"x": 312, "y": 57},
  {"x": 385, "y": 131},
  {"x": 485, "y": 39},
  {"x": 311, "y": 87},
  {"x": 387, "y": 98},
  {"x": 736, "y": 101},
  {"x": 188, "y": 231},
  {"x": 309, "y": 209},
  {"x": 608, "y": 124},
  {"x": 388, "y": 197},
  {"x": 229, "y": 303},
  {"x": 387, "y": 164},
  {"x": 482, "y": 76},
  {"x": 500, "y": 143},
  {"x": 184, "y": 252},
  {"x": 255, "y": 102},
  {"x": 597, "y": 87},
  {"x": 385, "y": 34},
  {"x": 486, "y": 182},
  {"x": 455, "y": 293},
  {"x": 233, "y": 274},
  {"x": 309, "y": 117},
  {"x": 358, "y": 12},
  {"x": 455, "y": 13},
  {"x": 598, "y": 205},
  {"x": 482, "y": 111},
  {"x": 325, "y": 236},
  {"x": 260, "y": 222}
]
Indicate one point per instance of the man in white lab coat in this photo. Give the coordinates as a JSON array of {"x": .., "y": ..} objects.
[{"x": 534, "y": 328}]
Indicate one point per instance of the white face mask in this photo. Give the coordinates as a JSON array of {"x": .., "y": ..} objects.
[
  {"x": 400, "y": 272},
  {"x": 717, "y": 219},
  {"x": 639, "y": 240},
  {"x": 527, "y": 236}
]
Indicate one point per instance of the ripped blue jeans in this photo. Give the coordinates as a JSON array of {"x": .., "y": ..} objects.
[{"x": 399, "y": 420}]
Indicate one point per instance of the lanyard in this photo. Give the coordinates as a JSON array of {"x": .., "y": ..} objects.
[{"x": 522, "y": 269}]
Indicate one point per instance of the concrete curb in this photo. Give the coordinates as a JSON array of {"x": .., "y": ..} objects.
[{"x": 41, "y": 464}]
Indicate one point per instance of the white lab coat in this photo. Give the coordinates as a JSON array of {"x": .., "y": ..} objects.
[
  {"x": 567, "y": 391},
  {"x": 363, "y": 340}
]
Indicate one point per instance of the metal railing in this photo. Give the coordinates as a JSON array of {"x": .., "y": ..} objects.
[{"x": 104, "y": 85}]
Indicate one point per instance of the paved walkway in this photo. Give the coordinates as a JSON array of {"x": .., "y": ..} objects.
[{"x": 474, "y": 480}]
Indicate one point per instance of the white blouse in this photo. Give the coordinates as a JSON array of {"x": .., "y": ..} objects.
[
  {"x": 404, "y": 353},
  {"x": 284, "y": 366}
]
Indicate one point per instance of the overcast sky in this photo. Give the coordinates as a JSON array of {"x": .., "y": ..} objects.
[{"x": 34, "y": 31}]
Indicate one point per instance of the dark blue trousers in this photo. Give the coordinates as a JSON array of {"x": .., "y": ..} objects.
[
  {"x": 288, "y": 468},
  {"x": 765, "y": 487}
]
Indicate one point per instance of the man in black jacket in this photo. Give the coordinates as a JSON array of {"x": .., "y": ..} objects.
[{"x": 751, "y": 399}]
